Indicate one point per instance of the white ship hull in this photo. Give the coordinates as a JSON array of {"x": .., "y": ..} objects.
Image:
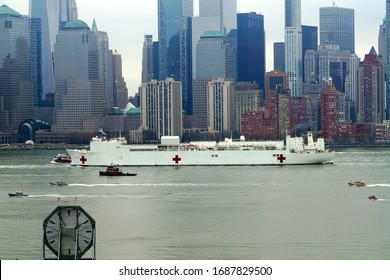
[
  {"x": 104, "y": 153},
  {"x": 122, "y": 157}
]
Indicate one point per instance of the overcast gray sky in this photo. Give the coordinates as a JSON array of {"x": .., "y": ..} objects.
[{"x": 127, "y": 21}]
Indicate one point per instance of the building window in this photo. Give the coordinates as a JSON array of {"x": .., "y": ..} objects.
[{"x": 8, "y": 24}]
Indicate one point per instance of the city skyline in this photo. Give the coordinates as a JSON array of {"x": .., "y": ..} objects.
[{"x": 138, "y": 21}]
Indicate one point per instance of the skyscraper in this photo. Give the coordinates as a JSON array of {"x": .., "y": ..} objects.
[
  {"x": 388, "y": 60},
  {"x": 371, "y": 93},
  {"x": 174, "y": 36},
  {"x": 214, "y": 57},
  {"x": 279, "y": 56},
  {"x": 147, "y": 59},
  {"x": 224, "y": 10},
  {"x": 47, "y": 17},
  {"x": 382, "y": 43},
  {"x": 79, "y": 90},
  {"x": 337, "y": 26},
  {"x": 161, "y": 110},
  {"x": 309, "y": 41},
  {"x": 214, "y": 15},
  {"x": 214, "y": 61},
  {"x": 16, "y": 90},
  {"x": 105, "y": 67},
  {"x": 251, "y": 48},
  {"x": 293, "y": 46},
  {"x": 332, "y": 111},
  {"x": 220, "y": 106},
  {"x": 121, "y": 98}
]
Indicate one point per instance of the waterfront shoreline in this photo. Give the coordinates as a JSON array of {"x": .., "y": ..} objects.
[{"x": 60, "y": 146}]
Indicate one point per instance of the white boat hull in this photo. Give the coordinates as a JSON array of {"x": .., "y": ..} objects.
[{"x": 123, "y": 157}]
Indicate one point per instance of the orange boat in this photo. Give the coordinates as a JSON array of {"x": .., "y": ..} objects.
[{"x": 357, "y": 183}]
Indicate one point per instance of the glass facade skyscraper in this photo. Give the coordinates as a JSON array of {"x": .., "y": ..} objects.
[
  {"x": 292, "y": 13},
  {"x": 214, "y": 15},
  {"x": 174, "y": 36},
  {"x": 16, "y": 90},
  {"x": 251, "y": 48},
  {"x": 387, "y": 19},
  {"x": 337, "y": 26},
  {"x": 224, "y": 10},
  {"x": 47, "y": 17},
  {"x": 309, "y": 42},
  {"x": 214, "y": 57}
]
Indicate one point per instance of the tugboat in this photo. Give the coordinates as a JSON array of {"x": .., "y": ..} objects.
[
  {"x": 359, "y": 183},
  {"x": 62, "y": 158},
  {"x": 113, "y": 170},
  {"x": 372, "y": 197},
  {"x": 17, "y": 194}
]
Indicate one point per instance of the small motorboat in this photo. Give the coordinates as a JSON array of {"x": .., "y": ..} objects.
[
  {"x": 17, "y": 194},
  {"x": 372, "y": 197},
  {"x": 114, "y": 170},
  {"x": 62, "y": 158},
  {"x": 359, "y": 183},
  {"x": 58, "y": 184}
]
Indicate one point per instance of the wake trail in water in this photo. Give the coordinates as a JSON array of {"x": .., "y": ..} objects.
[{"x": 378, "y": 185}]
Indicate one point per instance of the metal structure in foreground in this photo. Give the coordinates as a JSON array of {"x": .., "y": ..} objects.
[{"x": 69, "y": 233}]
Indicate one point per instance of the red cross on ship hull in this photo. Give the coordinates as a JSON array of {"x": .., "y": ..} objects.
[
  {"x": 281, "y": 158},
  {"x": 176, "y": 159},
  {"x": 83, "y": 160}
]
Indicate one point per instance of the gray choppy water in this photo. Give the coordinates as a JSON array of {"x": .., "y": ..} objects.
[{"x": 290, "y": 212}]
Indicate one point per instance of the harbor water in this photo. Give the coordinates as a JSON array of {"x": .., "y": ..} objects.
[{"x": 195, "y": 213}]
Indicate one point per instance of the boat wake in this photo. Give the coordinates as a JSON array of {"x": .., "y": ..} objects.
[
  {"x": 378, "y": 185},
  {"x": 152, "y": 185}
]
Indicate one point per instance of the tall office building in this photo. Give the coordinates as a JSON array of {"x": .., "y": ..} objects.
[
  {"x": 382, "y": 43},
  {"x": 121, "y": 95},
  {"x": 251, "y": 48},
  {"x": 47, "y": 17},
  {"x": 214, "y": 57},
  {"x": 161, "y": 110},
  {"x": 337, "y": 26},
  {"x": 214, "y": 61},
  {"x": 292, "y": 13},
  {"x": 279, "y": 56},
  {"x": 371, "y": 94},
  {"x": 16, "y": 90},
  {"x": 156, "y": 61},
  {"x": 332, "y": 111},
  {"x": 214, "y": 15},
  {"x": 105, "y": 67},
  {"x": 79, "y": 90},
  {"x": 68, "y": 11},
  {"x": 220, "y": 94},
  {"x": 293, "y": 46},
  {"x": 174, "y": 36},
  {"x": 224, "y": 10},
  {"x": 147, "y": 59},
  {"x": 309, "y": 42},
  {"x": 387, "y": 19}
]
